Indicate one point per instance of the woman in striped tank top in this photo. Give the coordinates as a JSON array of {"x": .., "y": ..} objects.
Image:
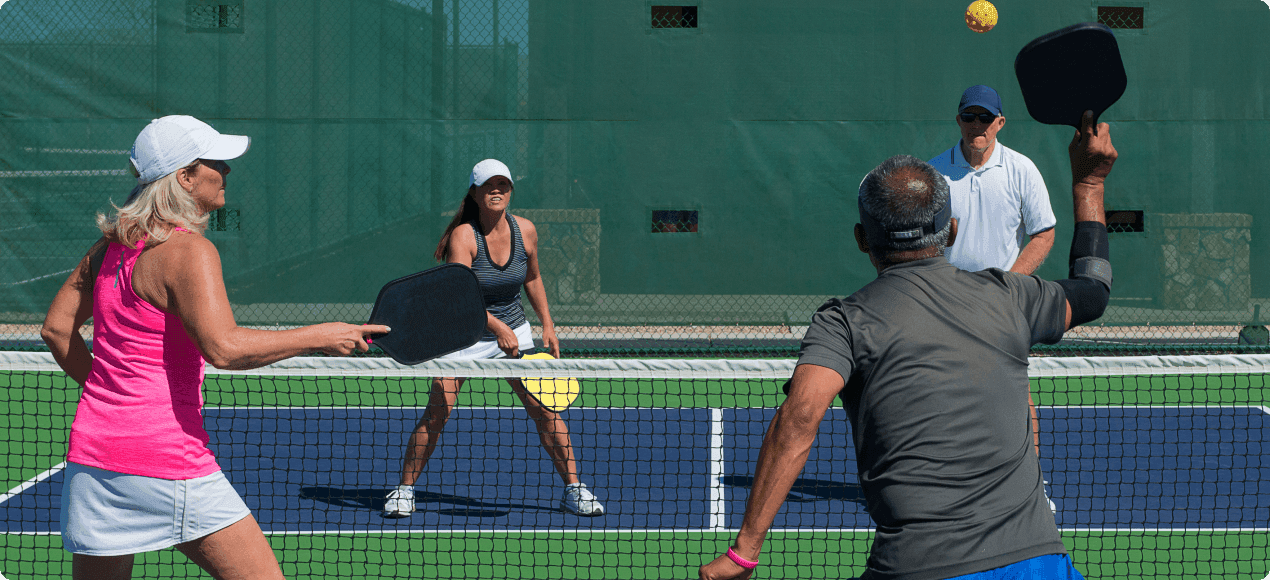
[{"x": 503, "y": 251}]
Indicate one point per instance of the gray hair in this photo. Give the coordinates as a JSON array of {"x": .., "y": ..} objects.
[{"x": 903, "y": 193}]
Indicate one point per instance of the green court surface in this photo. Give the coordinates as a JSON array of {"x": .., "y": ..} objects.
[
  {"x": 37, "y": 407},
  {"x": 1130, "y": 556}
]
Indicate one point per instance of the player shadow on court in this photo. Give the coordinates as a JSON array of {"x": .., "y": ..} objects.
[
  {"x": 373, "y": 499},
  {"x": 808, "y": 490}
]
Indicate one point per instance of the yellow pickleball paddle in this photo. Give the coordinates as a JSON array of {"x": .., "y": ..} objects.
[{"x": 555, "y": 394}]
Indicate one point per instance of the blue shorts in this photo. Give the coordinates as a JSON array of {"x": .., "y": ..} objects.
[{"x": 1051, "y": 567}]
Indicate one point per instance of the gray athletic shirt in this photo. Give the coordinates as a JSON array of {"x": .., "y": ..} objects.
[{"x": 935, "y": 364}]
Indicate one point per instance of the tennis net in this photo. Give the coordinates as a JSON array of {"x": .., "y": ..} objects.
[{"x": 1155, "y": 465}]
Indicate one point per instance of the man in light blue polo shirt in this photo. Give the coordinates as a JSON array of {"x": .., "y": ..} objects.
[
  {"x": 998, "y": 195},
  {"x": 999, "y": 200}
]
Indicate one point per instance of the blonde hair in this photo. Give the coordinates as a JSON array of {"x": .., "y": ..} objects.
[{"x": 161, "y": 206}]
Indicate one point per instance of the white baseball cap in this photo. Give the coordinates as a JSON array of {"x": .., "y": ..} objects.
[
  {"x": 170, "y": 143},
  {"x": 489, "y": 168}
]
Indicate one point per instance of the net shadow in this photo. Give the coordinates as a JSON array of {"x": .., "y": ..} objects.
[
  {"x": 807, "y": 489},
  {"x": 373, "y": 499}
]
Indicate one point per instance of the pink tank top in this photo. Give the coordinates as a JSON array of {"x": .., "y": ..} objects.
[{"x": 141, "y": 410}]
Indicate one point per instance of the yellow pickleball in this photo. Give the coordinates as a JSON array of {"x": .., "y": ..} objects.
[
  {"x": 981, "y": 16},
  {"x": 554, "y": 393}
]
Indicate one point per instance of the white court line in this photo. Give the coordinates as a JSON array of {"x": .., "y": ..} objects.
[
  {"x": 678, "y": 531},
  {"x": 484, "y": 408},
  {"x": 718, "y": 507},
  {"x": 1263, "y": 408},
  {"x": 31, "y": 482},
  {"x": 1232, "y": 406}
]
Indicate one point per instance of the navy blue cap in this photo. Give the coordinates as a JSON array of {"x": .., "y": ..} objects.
[{"x": 983, "y": 96}]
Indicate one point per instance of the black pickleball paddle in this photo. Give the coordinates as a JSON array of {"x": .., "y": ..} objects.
[
  {"x": 431, "y": 313},
  {"x": 1069, "y": 71}
]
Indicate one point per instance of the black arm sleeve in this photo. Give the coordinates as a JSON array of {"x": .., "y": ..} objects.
[
  {"x": 1087, "y": 298},
  {"x": 1088, "y": 286}
]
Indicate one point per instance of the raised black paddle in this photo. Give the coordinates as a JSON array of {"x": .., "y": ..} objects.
[
  {"x": 431, "y": 313},
  {"x": 1069, "y": 71}
]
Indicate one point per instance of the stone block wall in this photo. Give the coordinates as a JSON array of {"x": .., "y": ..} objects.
[
  {"x": 568, "y": 253},
  {"x": 1204, "y": 262}
]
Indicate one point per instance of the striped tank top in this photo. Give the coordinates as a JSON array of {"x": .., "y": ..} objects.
[{"x": 500, "y": 285}]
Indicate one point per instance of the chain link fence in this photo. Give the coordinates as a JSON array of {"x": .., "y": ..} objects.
[{"x": 366, "y": 116}]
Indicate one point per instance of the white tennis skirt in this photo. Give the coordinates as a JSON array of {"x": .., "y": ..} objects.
[
  {"x": 106, "y": 513},
  {"x": 489, "y": 349}
]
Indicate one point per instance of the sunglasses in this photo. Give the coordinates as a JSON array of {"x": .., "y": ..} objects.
[
  {"x": 214, "y": 164},
  {"x": 984, "y": 118}
]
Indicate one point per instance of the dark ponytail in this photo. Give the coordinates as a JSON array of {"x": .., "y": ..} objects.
[{"x": 468, "y": 211}]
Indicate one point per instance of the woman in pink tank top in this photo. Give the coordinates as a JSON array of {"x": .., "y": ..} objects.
[{"x": 154, "y": 289}]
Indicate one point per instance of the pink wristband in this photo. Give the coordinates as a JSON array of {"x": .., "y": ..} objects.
[{"x": 742, "y": 562}]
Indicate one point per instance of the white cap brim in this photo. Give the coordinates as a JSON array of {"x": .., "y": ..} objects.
[
  {"x": 227, "y": 147},
  {"x": 487, "y": 169}
]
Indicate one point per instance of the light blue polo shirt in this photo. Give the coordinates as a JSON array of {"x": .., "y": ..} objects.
[{"x": 997, "y": 207}]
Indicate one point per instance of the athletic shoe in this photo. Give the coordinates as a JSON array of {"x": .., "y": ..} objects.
[
  {"x": 579, "y": 501},
  {"x": 1053, "y": 508},
  {"x": 399, "y": 504}
]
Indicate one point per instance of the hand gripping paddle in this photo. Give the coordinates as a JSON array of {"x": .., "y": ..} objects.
[
  {"x": 431, "y": 313},
  {"x": 1069, "y": 71},
  {"x": 554, "y": 394}
]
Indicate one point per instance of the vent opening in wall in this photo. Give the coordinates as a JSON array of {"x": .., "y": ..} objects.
[
  {"x": 214, "y": 16},
  {"x": 1121, "y": 221},
  {"x": 674, "y": 16},
  {"x": 668, "y": 221},
  {"x": 1128, "y": 17}
]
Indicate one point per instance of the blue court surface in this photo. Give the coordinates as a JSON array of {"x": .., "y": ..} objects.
[{"x": 323, "y": 470}]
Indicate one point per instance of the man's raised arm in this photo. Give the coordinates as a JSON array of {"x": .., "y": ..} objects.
[{"x": 1088, "y": 285}]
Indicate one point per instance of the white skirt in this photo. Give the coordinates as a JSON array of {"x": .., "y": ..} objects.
[
  {"x": 106, "y": 513},
  {"x": 489, "y": 349}
]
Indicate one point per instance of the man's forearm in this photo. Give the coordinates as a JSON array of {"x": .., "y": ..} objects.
[
  {"x": 782, "y": 458},
  {"x": 1087, "y": 201},
  {"x": 1034, "y": 253}
]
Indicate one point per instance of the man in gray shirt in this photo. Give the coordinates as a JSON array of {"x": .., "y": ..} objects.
[{"x": 927, "y": 359}]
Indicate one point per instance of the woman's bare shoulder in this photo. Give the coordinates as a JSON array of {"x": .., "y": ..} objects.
[
  {"x": 184, "y": 249},
  {"x": 524, "y": 222},
  {"x": 462, "y": 240},
  {"x": 528, "y": 232}
]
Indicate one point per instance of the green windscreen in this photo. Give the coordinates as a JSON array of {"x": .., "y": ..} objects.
[{"x": 691, "y": 168}]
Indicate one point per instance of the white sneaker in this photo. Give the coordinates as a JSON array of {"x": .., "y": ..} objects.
[
  {"x": 578, "y": 500},
  {"x": 399, "y": 504},
  {"x": 1053, "y": 508}
]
